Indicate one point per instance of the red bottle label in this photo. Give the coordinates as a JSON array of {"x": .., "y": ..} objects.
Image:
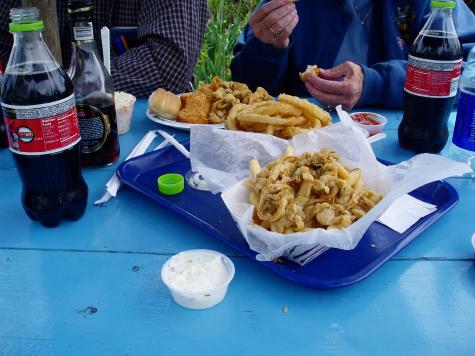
[
  {"x": 42, "y": 129},
  {"x": 432, "y": 79}
]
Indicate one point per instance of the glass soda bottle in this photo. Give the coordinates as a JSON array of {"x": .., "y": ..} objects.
[
  {"x": 462, "y": 147},
  {"x": 3, "y": 129},
  {"x": 93, "y": 90},
  {"x": 433, "y": 73},
  {"x": 40, "y": 116}
]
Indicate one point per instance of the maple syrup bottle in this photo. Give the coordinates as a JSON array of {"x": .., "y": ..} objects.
[{"x": 93, "y": 90}]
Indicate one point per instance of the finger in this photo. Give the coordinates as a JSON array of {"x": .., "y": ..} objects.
[
  {"x": 287, "y": 31},
  {"x": 330, "y": 86},
  {"x": 285, "y": 21},
  {"x": 283, "y": 40},
  {"x": 325, "y": 98},
  {"x": 344, "y": 69},
  {"x": 265, "y": 10},
  {"x": 275, "y": 16}
]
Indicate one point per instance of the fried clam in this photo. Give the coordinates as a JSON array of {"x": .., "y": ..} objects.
[
  {"x": 312, "y": 70},
  {"x": 225, "y": 95},
  {"x": 297, "y": 193},
  {"x": 260, "y": 95}
]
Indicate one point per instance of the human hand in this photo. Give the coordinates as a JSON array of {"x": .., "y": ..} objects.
[
  {"x": 340, "y": 85},
  {"x": 274, "y": 22}
]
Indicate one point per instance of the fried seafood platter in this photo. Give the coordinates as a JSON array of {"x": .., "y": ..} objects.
[
  {"x": 239, "y": 109},
  {"x": 210, "y": 104},
  {"x": 299, "y": 193},
  {"x": 284, "y": 118}
]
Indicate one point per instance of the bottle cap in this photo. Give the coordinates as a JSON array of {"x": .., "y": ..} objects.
[
  {"x": 171, "y": 184},
  {"x": 23, "y": 27},
  {"x": 25, "y": 19},
  {"x": 448, "y": 4}
]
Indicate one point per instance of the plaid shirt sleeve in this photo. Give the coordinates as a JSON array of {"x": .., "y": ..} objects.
[
  {"x": 6, "y": 39},
  {"x": 171, "y": 33}
]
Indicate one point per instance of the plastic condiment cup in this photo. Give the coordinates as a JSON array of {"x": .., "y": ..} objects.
[
  {"x": 201, "y": 299},
  {"x": 372, "y": 129},
  {"x": 124, "y": 108}
]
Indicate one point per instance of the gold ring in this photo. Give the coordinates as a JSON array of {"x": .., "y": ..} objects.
[{"x": 274, "y": 32}]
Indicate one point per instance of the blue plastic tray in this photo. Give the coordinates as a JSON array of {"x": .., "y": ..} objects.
[{"x": 335, "y": 268}]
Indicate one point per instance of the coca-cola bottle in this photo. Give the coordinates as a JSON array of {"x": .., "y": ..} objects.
[
  {"x": 3, "y": 129},
  {"x": 40, "y": 115},
  {"x": 433, "y": 73},
  {"x": 93, "y": 90}
]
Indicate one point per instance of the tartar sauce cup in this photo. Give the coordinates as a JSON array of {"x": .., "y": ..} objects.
[
  {"x": 372, "y": 122},
  {"x": 198, "y": 279}
]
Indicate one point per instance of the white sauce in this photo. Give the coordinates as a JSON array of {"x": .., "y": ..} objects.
[
  {"x": 123, "y": 99},
  {"x": 196, "y": 272}
]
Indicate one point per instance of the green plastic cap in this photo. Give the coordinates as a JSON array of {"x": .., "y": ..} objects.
[
  {"x": 171, "y": 184},
  {"x": 448, "y": 4},
  {"x": 23, "y": 27}
]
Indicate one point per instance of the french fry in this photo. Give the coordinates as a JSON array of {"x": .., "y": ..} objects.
[
  {"x": 231, "y": 123},
  {"x": 255, "y": 168},
  {"x": 289, "y": 151}
]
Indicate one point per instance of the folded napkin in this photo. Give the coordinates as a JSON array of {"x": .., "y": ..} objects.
[{"x": 404, "y": 212}]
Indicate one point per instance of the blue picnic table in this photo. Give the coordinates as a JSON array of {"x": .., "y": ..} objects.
[{"x": 93, "y": 287}]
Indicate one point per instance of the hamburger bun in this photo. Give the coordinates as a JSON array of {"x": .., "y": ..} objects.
[{"x": 165, "y": 103}]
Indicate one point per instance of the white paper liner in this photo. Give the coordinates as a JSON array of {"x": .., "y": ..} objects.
[{"x": 222, "y": 158}]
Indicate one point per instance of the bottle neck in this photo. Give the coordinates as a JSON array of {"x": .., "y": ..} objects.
[
  {"x": 441, "y": 21},
  {"x": 30, "y": 50}
]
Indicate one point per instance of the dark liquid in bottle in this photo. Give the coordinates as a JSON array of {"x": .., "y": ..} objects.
[
  {"x": 424, "y": 125},
  {"x": 53, "y": 186},
  {"x": 3, "y": 130},
  {"x": 3, "y": 133},
  {"x": 97, "y": 120}
]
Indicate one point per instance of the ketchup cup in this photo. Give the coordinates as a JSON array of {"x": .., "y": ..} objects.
[{"x": 370, "y": 121}]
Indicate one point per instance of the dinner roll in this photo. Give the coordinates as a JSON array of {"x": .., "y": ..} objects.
[{"x": 165, "y": 103}]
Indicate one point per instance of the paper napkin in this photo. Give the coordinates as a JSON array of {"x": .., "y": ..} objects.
[{"x": 404, "y": 212}]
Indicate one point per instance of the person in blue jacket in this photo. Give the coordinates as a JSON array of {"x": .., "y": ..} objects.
[{"x": 361, "y": 47}]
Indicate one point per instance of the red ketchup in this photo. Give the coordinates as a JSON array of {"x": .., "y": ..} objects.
[{"x": 365, "y": 119}]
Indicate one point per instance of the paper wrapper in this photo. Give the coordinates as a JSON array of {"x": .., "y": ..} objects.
[{"x": 222, "y": 157}]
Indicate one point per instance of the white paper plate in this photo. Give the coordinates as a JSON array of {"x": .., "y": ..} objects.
[{"x": 175, "y": 124}]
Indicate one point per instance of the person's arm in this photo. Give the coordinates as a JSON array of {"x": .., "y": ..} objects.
[
  {"x": 464, "y": 20},
  {"x": 262, "y": 50},
  {"x": 383, "y": 84},
  {"x": 171, "y": 33},
  {"x": 259, "y": 64}
]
